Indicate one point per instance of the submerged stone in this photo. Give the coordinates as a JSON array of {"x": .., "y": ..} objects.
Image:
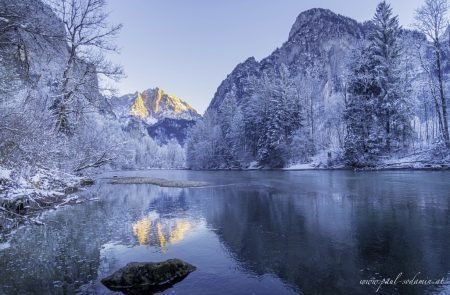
[{"x": 148, "y": 277}]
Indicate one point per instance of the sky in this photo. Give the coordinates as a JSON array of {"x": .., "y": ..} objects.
[{"x": 188, "y": 47}]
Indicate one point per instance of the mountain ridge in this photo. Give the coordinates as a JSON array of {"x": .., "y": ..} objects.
[
  {"x": 152, "y": 105},
  {"x": 311, "y": 71},
  {"x": 317, "y": 36},
  {"x": 165, "y": 117}
]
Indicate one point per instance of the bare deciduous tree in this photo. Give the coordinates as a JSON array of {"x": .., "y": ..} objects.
[
  {"x": 89, "y": 37},
  {"x": 431, "y": 20}
]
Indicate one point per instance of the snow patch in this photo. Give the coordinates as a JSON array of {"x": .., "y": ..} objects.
[
  {"x": 253, "y": 165},
  {"x": 306, "y": 166},
  {"x": 4, "y": 246},
  {"x": 5, "y": 173}
]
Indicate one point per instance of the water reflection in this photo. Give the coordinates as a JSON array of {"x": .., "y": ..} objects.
[
  {"x": 182, "y": 227},
  {"x": 326, "y": 234},
  {"x": 268, "y": 233},
  {"x": 141, "y": 229},
  {"x": 161, "y": 231}
]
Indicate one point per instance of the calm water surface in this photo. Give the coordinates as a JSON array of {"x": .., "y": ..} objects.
[{"x": 253, "y": 232}]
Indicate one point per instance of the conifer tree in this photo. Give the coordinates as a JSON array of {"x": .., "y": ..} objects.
[
  {"x": 363, "y": 140},
  {"x": 378, "y": 111},
  {"x": 392, "y": 107}
]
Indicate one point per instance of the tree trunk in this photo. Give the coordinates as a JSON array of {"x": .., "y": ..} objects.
[
  {"x": 426, "y": 123},
  {"x": 443, "y": 99},
  {"x": 437, "y": 109},
  {"x": 62, "y": 123}
]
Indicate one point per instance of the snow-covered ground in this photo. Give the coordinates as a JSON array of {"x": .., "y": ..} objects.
[
  {"x": 41, "y": 182},
  {"x": 23, "y": 193},
  {"x": 425, "y": 159},
  {"x": 419, "y": 160},
  {"x": 322, "y": 160},
  {"x": 306, "y": 166}
]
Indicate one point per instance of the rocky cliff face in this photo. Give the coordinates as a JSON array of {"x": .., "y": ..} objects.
[
  {"x": 319, "y": 44},
  {"x": 34, "y": 54}
]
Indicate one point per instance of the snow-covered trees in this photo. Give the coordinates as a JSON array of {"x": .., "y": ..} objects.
[
  {"x": 431, "y": 20},
  {"x": 22, "y": 115},
  {"x": 363, "y": 140},
  {"x": 261, "y": 129},
  {"x": 88, "y": 36},
  {"x": 231, "y": 145},
  {"x": 51, "y": 57},
  {"x": 393, "y": 105},
  {"x": 145, "y": 152},
  {"x": 386, "y": 100},
  {"x": 309, "y": 97},
  {"x": 202, "y": 144},
  {"x": 282, "y": 117},
  {"x": 378, "y": 111}
]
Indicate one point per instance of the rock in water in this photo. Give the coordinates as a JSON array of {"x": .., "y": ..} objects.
[{"x": 148, "y": 277}]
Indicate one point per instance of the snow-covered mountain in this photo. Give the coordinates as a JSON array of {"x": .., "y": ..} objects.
[
  {"x": 166, "y": 117},
  {"x": 319, "y": 47},
  {"x": 152, "y": 105},
  {"x": 319, "y": 44},
  {"x": 316, "y": 56}
]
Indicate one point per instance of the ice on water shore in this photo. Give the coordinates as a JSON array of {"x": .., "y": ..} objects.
[{"x": 158, "y": 181}]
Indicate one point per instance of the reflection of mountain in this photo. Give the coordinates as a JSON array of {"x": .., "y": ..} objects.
[
  {"x": 161, "y": 232},
  {"x": 268, "y": 234},
  {"x": 181, "y": 229},
  {"x": 164, "y": 223},
  {"x": 169, "y": 204},
  {"x": 67, "y": 251},
  {"x": 329, "y": 240},
  {"x": 319, "y": 231},
  {"x": 141, "y": 229}
]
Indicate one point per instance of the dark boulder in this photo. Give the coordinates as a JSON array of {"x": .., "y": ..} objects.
[
  {"x": 148, "y": 277},
  {"x": 87, "y": 182}
]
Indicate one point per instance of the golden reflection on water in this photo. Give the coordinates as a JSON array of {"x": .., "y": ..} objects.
[
  {"x": 181, "y": 229},
  {"x": 141, "y": 229},
  {"x": 161, "y": 231},
  {"x": 161, "y": 238}
]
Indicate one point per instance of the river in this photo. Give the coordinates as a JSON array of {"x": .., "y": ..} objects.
[{"x": 249, "y": 232}]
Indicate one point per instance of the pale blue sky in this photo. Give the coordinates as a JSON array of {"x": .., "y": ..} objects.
[{"x": 187, "y": 47}]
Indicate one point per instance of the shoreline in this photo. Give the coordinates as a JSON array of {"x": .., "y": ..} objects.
[
  {"x": 28, "y": 213},
  {"x": 26, "y": 208},
  {"x": 366, "y": 169}
]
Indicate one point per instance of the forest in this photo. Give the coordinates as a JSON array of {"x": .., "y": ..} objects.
[{"x": 377, "y": 96}]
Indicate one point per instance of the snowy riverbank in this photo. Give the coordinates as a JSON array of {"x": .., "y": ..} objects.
[
  {"x": 23, "y": 194},
  {"x": 421, "y": 160}
]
